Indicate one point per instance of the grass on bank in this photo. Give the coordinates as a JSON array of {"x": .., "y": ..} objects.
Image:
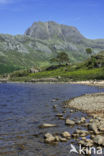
[
  {"x": 91, "y": 69},
  {"x": 64, "y": 73}
]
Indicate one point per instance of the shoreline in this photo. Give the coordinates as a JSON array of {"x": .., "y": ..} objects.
[
  {"x": 99, "y": 83},
  {"x": 92, "y": 104}
]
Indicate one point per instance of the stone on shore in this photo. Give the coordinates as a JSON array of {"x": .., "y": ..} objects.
[
  {"x": 93, "y": 127},
  {"x": 99, "y": 140},
  {"x": 87, "y": 142},
  {"x": 80, "y": 133}
]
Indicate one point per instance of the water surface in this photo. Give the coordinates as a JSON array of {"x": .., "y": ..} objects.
[{"x": 23, "y": 107}]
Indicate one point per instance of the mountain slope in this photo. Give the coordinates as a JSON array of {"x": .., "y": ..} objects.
[
  {"x": 51, "y": 30},
  {"x": 42, "y": 41}
]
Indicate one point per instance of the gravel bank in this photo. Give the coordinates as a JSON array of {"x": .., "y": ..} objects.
[
  {"x": 90, "y": 103},
  {"x": 90, "y": 83}
]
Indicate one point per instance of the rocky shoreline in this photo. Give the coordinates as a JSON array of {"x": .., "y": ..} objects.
[
  {"x": 93, "y": 104},
  {"x": 92, "y": 133}
]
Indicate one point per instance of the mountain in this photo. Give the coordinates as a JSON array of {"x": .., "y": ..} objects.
[
  {"x": 42, "y": 41},
  {"x": 51, "y": 30}
]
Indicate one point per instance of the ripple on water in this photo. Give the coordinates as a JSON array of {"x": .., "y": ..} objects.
[{"x": 23, "y": 107}]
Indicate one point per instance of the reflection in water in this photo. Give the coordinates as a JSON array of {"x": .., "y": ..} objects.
[{"x": 23, "y": 107}]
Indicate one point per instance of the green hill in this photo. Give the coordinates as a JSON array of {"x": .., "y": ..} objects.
[{"x": 91, "y": 69}]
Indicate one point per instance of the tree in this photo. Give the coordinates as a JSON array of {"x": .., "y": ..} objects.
[
  {"x": 61, "y": 58},
  {"x": 89, "y": 51},
  {"x": 53, "y": 60}
]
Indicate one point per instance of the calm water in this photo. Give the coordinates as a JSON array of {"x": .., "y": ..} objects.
[{"x": 23, "y": 107}]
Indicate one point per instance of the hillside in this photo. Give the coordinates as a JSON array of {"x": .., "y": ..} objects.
[
  {"x": 42, "y": 41},
  {"x": 91, "y": 69}
]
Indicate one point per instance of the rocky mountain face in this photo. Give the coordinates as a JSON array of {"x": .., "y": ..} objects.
[
  {"x": 42, "y": 41},
  {"x": 52, "y": 30}
]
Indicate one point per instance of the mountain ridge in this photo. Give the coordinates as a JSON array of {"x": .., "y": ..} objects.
[
  {"x": 41, "y": 42},
  {"x": 50, "y": 30}
]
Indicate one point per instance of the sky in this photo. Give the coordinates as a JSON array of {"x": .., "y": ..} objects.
[{"x": 87, "y": 15}]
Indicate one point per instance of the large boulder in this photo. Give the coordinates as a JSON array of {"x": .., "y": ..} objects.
[{"x": 34, "y": 70}]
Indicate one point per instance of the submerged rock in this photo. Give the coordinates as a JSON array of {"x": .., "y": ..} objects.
[
  {"x": 49, "y": 138},
  {"x": 57, "y": 138},
  {"x": 59, "y": 115},
  {"x": 69, "y": 122},
  {"x": 20, "y": 147},
  {"x": 71, "y": 111},
  {"x": 61, "y": 118},
  {"x": 66, "y": 135},
  {"x": 55, "y": 106},
  {"x": 46, "y": 125},
  {"x": 63, "y": 139},
  {"x": 54, "y": 100},
  {"x": 83, "y": 119}
]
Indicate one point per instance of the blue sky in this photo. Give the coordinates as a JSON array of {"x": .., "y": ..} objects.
[{"x": 87, "y": 15}]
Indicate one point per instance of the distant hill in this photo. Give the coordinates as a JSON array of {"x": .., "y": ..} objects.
[{"x": 42, "y": 41}]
